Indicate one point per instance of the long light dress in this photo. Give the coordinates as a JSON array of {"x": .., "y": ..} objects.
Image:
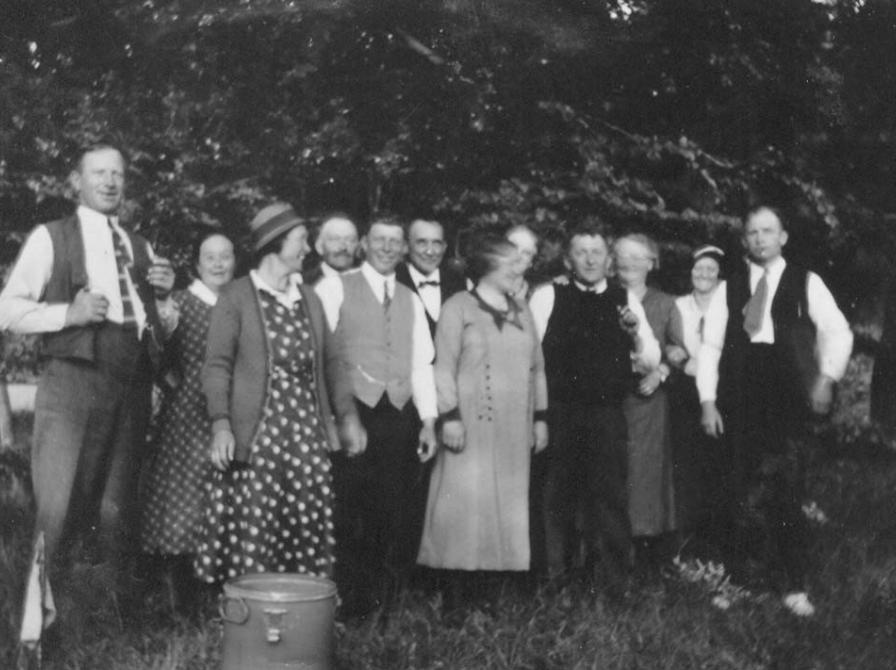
[
  {"x": 651, "y": 490},
  {"x": 490, "y": 370}
]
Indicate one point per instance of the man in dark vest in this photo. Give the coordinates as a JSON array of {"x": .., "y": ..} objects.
[
  {"x": 774, "y": 345},
  {"x": 593, "y": 333},
  {"x": 94, "y": 291},
  {"x": 424, "y": 273},
  {"x": 384, "y": 350}
]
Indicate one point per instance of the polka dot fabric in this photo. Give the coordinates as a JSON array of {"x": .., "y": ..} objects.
[
  {"x": 275, "y": 513},
  {"x": 174, "y": 487}
]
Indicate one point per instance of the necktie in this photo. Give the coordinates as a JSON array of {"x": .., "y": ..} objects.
[
  {"x": 428, "y": 282},
  {"x": 123, "y": 261},
  {"x": 755, "y": 307},
  {"x": 387, "y": 298}
]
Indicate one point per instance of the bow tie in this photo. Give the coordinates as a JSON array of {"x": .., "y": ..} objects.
[{"x": 428, "y": 282}]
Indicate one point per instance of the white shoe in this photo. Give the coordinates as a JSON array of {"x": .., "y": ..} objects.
[{"x": 799, "y": 604}]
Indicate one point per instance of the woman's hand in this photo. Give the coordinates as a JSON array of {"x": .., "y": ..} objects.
[
  {"x": 221, "y": 452},
  {"x": 453, "y": 435},
  {"x": 649, "y": 383},
  {"x": 540, "y": 433},
  {"x": 352, "y": 435}
]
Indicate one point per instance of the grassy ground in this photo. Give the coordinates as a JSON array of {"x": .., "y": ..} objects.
[{"x": 666, "y": 623}]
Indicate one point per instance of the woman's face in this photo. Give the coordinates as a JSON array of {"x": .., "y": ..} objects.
[
  {"x": 633, "y": 262},
  {"x": 505, "y": 275},
  {"x": 527, "y": 245},
  {"x": 705, "y": 275},
  {"x": 216, "y": 262},
  {"x": 295, "y": 247}
]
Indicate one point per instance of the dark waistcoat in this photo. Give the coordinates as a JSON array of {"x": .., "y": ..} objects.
[
  {"x": 794, "y": 335},
  {"x": 69, "y": 275},
  {"x": 586, "y": 352}
]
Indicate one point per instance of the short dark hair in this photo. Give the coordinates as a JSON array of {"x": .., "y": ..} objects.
[
  {"x": 201, "y": 236},
  {"x": 755, "y": 209},
  {"x": 590, "y": 226},
  {"x": 103, "y": 145},
  {"x": 387, "y": 219},
  {"x": 483, "y": 253}
]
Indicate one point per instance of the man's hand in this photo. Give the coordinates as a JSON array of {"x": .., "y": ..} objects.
[
  {"x": 821, "y": 396},
  {"x": 161, "y": 277},
  {"x": 429, "y": 445},
  {"x": 540, "y": 432},
  {"x": 711, "y": 420},
  {"x": 221, "y": 452},
  {"x": 352, "y": 435},
  {"x": 86, "y": 308},
  {"x": 453, "y": 435}
]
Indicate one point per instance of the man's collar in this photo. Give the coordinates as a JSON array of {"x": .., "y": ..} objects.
[
  {"x": 328, "y": 270},
  {"x": 599, "y": 287},
  {"x": 774, "y": 267},
  {"x": 374, "y": 277},
  {"x": 417, "y": 276},
  {"x": 89, "y": 215}
]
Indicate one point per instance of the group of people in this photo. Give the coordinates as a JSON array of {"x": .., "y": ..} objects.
[{"x": 380, "y": 410}]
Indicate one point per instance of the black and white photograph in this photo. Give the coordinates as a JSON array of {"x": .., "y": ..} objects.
[{"x": 447, "y": 335}]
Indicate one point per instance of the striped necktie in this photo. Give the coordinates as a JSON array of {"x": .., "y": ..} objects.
[
  {"x": 123, "y": 261},
  {"x": 387, "y": 298}
]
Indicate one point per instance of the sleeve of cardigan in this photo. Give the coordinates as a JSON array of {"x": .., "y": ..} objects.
[
  {"x": 339, "y": 379},
  {"x": 449, "y": 339},
  {"x": 220, "y": 354}
]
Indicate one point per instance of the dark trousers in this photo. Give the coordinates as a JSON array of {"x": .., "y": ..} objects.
[
  {"x": 380, "y": 504},
  {"x": 769, "y": 524},
  {"x": 89, "y": 430},
  {"x": 585, "y": 477}
]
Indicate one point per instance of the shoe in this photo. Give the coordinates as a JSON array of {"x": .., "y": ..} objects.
[{"x": 799, "y": 604}]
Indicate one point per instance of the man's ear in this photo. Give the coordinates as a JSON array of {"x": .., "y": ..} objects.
[
  {"x": 566, "y": 263},
  {"x": 364, "y": 244},
  {"x": 784, "y": 237},
  {"x": 74, "y": 180}
]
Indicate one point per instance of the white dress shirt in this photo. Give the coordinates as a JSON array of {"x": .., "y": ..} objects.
[
  {"x": 423, "y": 387},
  {"x": 21, "y": 306},
  {"x": 833, "y": 335},
  {"x": 429, "y": 294},
  {"x": 542, "y": 305}
]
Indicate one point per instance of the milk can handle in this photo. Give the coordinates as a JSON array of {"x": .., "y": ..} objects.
[
  {"x": 243, "y": 615},
  {"x": 273, "y": 619}
]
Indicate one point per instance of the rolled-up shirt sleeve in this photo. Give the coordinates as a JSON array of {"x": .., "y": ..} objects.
[
  {"x": 423, "y": 384},
  {"x": 541, "y": 304},
  {"x": 21, "y": 307},
  {"x": 834, "y": 337},
  {"x": 715, "y": 323}
]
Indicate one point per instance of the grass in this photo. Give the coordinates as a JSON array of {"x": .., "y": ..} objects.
[{"x": 668, "y": 622}]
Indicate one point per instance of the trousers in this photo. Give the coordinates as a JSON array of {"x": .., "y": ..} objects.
[{"x": 90, "y": 423}]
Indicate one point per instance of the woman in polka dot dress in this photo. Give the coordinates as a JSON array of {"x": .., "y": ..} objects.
[
  {"x": 269, "y": 504},
  {"x": 179, "y": 467}
]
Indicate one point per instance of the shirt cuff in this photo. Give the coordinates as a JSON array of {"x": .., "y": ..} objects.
[
  {"x": 450, "y": 415},
  {"x": 540, "y": 415}
]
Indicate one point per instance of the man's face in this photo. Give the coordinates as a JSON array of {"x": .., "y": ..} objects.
[
  {"x": 99, "y": 180},
  {"x": 427, "y": 245},
  {"x": 588, "y": 258},
  {"x": 337, "y": 243},
  {"x": 384, "y": 247},
  {"x": 764, "y": 236}
]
